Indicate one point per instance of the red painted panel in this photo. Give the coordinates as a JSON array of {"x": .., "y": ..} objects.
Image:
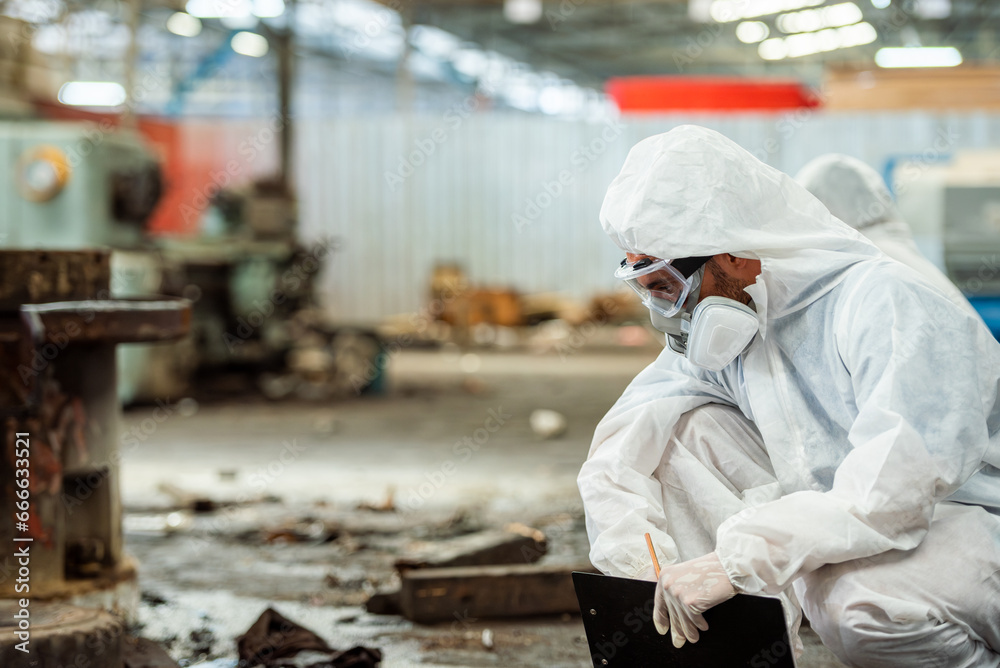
[
  {"x": 653, "y": 94},
  {"x": 197, "y": 156},
  {"x": 164, "y": 137}
]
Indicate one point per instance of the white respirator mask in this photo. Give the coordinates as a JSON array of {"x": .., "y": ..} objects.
[{"x": 711, "y": 333}]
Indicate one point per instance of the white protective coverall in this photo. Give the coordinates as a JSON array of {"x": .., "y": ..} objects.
[
  {"x": 830, "y": 454},
  {"x": 856, "y": 194}
]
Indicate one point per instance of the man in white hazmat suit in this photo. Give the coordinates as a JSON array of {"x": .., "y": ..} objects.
[
  {"x": 823, "y": 420},
  {"x": 856, "y": 194}
]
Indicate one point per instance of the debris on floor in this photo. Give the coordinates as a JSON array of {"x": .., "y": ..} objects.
[
  {"x": 308, "y": 545},
  {"x": 145, "y": 653},
  {"x": 523, "y": 590},
  {"x": 189, "y": 500},
  {"x": 156, "y": 524},
  {"x": 273, "y": 639},
  {"x": 386, "y": 505},
  {"x": 517, "y": 545},
  {"x": 306, "y": 530},
  {"x": 384, "y": 603},
  {"x": 547, "y": 423}
]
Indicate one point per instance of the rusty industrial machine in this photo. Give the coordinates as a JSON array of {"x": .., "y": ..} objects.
[{"x": 61, "y": 557}]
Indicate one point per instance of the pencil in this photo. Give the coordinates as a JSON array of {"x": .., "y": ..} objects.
[{"x": 652, "y": 553}]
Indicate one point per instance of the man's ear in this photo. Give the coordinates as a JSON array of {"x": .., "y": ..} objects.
[{"x": 736, "y": 262}]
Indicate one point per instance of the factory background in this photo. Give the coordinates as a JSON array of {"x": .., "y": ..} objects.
[{"x": 318, "y": 288}]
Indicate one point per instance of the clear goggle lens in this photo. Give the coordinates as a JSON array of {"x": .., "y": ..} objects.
[{"x": 660, "y": 286}]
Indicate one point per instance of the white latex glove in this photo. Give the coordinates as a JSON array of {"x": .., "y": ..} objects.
[{"x": 685, "y": 591}]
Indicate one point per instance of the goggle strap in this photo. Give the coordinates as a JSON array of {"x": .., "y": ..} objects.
[
  {"x": 685, "y": 266},
  {"x": 688, "y": 265}
]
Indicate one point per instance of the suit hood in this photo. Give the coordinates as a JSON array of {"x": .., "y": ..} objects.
[
  {"x": 852, "y": 191},
  {"x": 693, "y": 192}
]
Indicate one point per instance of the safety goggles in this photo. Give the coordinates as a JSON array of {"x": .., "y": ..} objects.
[{"x": 662, "y": 285}]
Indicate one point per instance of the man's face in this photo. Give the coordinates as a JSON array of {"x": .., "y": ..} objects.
[
  {"x": 725, "y": 276},
  {"x": 661, "y": 283}
]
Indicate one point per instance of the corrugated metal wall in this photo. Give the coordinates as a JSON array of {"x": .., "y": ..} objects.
[{"x": 403, "y": 193}]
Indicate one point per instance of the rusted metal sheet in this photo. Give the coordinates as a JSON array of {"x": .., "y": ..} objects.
[
  {"x": 442, "y": 594},
  {"x": 30, "y": 277},
  {"x": 112, "y": 320},
  {"x": 480, "y": 549}
]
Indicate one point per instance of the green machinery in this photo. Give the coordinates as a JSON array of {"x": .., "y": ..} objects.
[{"x": 79, "y": 185}]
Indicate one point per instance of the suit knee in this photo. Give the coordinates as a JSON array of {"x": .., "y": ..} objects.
[{"x": 864, "y": 635}]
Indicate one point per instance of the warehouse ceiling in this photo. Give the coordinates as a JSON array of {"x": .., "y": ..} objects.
[
  {"x": 552, "y": 56},
  {"x": 591, "y": 41}
]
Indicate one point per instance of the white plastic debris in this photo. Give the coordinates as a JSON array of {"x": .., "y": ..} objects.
[{"x": 547, "y": 423}]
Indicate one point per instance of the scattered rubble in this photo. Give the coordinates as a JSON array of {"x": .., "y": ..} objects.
[
  {"x": 273, "y": 639},
  {"x": 152, "y": 598},
  {"x": 386, "y": 505},
  {"x": 156, "y": 524},
  {"x": 485, "y": 574},
  {"x": 189, "y": 500},
  {"x": 439, "y": 594},
  {"x": 202, "y": 639},
  {"x": 145, "y": 653},
  {"x": 514, "y": 546},
  {"x": 548, "y": 423}
]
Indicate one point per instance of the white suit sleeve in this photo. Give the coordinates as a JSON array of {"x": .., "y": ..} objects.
[
  {"x": 620, "y": 496},
  {"x": 919, "y": 434}
]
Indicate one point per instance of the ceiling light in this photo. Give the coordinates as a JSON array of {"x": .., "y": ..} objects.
[
  {"x": 725, "y": 11},
  {"x": 932, "y": 9},
  {"x": 561, "y": 99},
  {"x": 249, "y": 44},
  {"x": 858, "y": 34},
  {"x": 700, "y": 11},
  {"x": 471, "y": 62},
  {"x": 922, "y": 56},
  {"x": 183, "y": 24},
  {"x": 881, "y": 4},
  {"x": 843, "y": 14},
  {"x": 360, "y": 15},
  {"x": 434, "y": 42},
  {"x": 773, "y": 49},
  {"x": 214, "y": 9},
  {"x": 811, "y": 20},
  {"x": 751, "y": 32},
  {"x": 92, "y": 94},
  {"x": 808, "y": 43},
  {"x": 522, "y": 11},
  {"x": 805, "y": 43},
  {"x": 268, "y": 9}
]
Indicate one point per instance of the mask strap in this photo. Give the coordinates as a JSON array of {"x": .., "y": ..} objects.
[
  {"x": 688, "y": 265},
  {"x": 695, "y": 292}
]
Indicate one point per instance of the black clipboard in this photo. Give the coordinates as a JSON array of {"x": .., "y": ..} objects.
[{"x": 618, "y": 617}]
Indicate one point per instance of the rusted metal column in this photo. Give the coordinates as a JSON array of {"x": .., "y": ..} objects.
[
  {"x": 33, "y": 403},
  {"x": 58, "y": 331}
]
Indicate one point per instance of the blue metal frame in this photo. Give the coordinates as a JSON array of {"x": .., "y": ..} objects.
[
  {"x": 894, "y": 159},
  {"x": 989, "y": 310},
  {"x": 206, "y": 67}
]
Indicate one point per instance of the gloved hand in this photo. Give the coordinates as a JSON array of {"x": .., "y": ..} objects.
[{"x": 685, "y": 591}]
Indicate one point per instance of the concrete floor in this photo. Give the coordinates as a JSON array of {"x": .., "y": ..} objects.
[{"x": 306, "y": 468}]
